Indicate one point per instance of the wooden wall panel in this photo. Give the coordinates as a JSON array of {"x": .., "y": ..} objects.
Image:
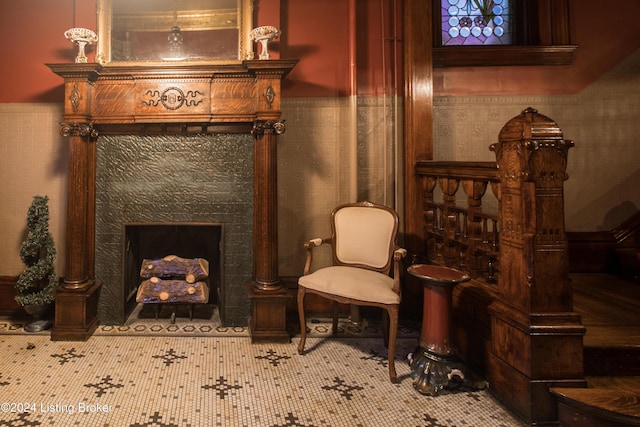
[{"x": 7, "y": 294}]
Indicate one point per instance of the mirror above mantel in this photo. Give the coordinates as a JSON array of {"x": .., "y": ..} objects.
[{"x": 159, "y": 31}]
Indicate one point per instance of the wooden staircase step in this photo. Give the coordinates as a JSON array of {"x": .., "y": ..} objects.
[
  {"x": 612, "y": 351},
  {"x": 606, "y": 402},
  {"x": 610, "y": 310}
]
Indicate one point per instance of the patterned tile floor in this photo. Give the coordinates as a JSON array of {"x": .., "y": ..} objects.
[{"x": 164, "y": 379}]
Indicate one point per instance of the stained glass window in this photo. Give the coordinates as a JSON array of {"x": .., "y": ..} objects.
[{"x": 476, "y": 22}]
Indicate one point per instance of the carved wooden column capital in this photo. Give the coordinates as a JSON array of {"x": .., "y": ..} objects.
[
  {"x": 260, "y": 127},
  {"x": 78, "y": 129}
]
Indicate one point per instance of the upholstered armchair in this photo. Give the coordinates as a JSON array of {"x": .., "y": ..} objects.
[{"x": 363, "y": 241}]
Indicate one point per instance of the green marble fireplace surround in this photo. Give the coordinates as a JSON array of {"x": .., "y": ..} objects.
[{"x": 175, "y": 179}]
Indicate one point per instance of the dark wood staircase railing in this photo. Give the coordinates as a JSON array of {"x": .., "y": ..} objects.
[
  {"x": 520, "y": 298},
  {"x": 515, "y": 321},
  {"x": 465, "y": 236}
]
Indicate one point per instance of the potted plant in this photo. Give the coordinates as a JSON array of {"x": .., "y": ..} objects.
[{"x": 35, "y": 286}]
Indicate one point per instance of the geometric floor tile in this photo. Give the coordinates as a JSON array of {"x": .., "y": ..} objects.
[{"x": 165, "y": 381}]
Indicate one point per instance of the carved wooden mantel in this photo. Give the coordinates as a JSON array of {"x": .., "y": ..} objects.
[{"x": 161, "y": 99}]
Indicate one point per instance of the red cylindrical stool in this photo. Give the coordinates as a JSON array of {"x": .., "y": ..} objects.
[{"x": 434, "y": 363}]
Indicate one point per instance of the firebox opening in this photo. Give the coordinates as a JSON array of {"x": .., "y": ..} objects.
[{"x": 158, "y": 240}]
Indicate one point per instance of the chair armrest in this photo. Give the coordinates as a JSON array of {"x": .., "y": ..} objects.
[
  {"x": 309, "y": 245},
  {"x": 398, "y": 255},
  {"x": 313, "y": 243}
]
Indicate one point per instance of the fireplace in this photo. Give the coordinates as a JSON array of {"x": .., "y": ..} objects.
[
  {"x": 154, "y": 187},
  {"x": 152, "y": 242},
  {"x": 146, "y": 144}
]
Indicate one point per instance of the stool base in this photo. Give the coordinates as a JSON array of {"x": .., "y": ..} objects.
[{"x": 432, "y": 372}]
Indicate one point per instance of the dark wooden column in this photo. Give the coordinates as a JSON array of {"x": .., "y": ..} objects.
[
  {"x": 79, "y": 184},
  {"x": 265, "y": 199},
  {"x": 77, "y": 297},
  {"x": 418, "y": 116},
  {"x": 418, "y": 133},
  {"x": 268, "y": 297},
  {"x": 266, "y": 129}
]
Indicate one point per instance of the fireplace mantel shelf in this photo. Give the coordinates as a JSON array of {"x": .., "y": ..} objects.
[
  {"x": 167, "y": 99},
  {"x": 240, "y": 92}
]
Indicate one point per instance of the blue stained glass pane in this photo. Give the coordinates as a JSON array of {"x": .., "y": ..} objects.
[{"x": 476, "y": 22}]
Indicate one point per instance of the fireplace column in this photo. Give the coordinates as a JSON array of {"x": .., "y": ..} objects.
[
  {"x": 265, "y": 197},
  {"x": 81, "y": 155},
  {"x": 268, "y": 297},
  {"x": 76, "y": 312}
]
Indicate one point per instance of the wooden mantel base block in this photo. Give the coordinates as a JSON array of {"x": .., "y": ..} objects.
[
  {"x": 268, "y": 321},
  {"x": 76, "y": 315}
]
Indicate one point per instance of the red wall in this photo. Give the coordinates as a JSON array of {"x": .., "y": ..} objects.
[
  {"x": 30, "y": 40},
  {"x": 317, "y": 32}
]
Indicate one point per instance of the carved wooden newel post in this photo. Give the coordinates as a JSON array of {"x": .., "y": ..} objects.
[{"x": 537, "y": 338}]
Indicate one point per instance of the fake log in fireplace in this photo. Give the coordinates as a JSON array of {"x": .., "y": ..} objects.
[
  {"x": 174, "y": 280},
  {"x": 166, "y": 99}
]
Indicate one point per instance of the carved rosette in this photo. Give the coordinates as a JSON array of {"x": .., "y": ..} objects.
[
  {"x": 78, "y": 129},
  {"x": 262, "y": 127}
]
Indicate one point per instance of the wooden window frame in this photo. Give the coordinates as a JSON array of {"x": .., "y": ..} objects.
[{"x": 541, "y": 33}]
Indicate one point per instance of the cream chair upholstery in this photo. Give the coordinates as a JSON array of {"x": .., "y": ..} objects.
[{"x": 364, "y": 250}]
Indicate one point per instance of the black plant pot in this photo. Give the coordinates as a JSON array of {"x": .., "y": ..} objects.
[{"x": 39, "y": 321}]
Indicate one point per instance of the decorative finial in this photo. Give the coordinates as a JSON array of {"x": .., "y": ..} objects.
[
  {"x": 263, "y": 35},
  {"x": 81, "y": 37}
]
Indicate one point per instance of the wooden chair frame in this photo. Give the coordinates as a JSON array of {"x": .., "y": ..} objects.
[{"x": 390, "y": 311}]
